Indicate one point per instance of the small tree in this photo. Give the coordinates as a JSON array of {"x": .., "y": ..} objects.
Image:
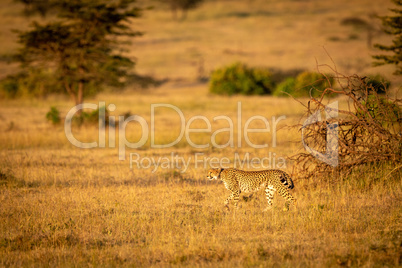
[
  {"x": 81, "y": 46},
  {"x": 238, "y": 78},
  {"x": 393, "y": 26}
]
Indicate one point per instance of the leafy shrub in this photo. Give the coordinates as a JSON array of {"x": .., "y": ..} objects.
[
  {"x": 286, "y": 86},
  {"x": 313, "y": 82},
  {"x": 38, "y": 83},
  {"x": 9, "y": 86},
  {"x": 380, "y": 109},
  {"x": 368, "y": 132},
  {"x": 378, "y": 83},
  {"x": 91, "y": 118},
  {"x": 241, "y": 79},
  {"x": 32, "y": 83},
  {"x": 53, "y": 115}
]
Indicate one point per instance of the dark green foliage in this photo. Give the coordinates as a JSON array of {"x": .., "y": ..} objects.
[
  {"x": 380, "y": 109},
  {"x": 10, "y": 85},
  {"x": 312, "y": 83},
  {"x": 378, "y": 84},
  {"x": 53, "y": 115},
  {"x": 91, "y": 117},
  {"x": 40, "y": 83},
  {"x": 241, "y": 79},
  {"x": 30, "y": 82},
  {"x": 286, "y": 86},
  {"x": 393, "y": 26},
  {"x": 80, "y": 47}
]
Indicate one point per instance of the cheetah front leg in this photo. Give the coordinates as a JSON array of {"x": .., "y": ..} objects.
[
  {"x": 269, "y": 192},
  {"x": 235, "y": 196}
]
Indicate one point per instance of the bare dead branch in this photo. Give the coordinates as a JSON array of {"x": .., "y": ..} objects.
[{"x": 369, "y": 130}]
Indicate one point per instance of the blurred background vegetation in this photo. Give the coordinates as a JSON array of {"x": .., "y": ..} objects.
[{"x": 80, "y": 48}]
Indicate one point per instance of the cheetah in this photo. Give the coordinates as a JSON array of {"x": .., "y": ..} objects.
[{"x": 238, "y": 181}]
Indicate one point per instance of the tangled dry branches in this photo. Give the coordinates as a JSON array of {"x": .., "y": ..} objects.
[{"x": 368, "y": 129}]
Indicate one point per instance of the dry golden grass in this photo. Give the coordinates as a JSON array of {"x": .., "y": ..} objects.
[{"x": 65, "y": 206}]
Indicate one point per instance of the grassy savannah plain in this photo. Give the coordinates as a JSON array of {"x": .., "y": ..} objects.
[{"x": 66, "y": 206}]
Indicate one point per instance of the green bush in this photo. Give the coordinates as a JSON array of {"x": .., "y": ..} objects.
[
  {"x": 36, "y": 83},
  {"x": 286, "y": 86},
  {"x": 381, "y": 110},
  {"x": 378, "y": 84},
  {"x": 53, "y": 115},
  {"x": 10, "y": 85},
  {"x": 313, "y": 82},
  {"x": 32, "y": 83},
  {"x": 90, "y": 118},
  {"x": 304, "y": 83},
  {"x": 241, "y": 79}
]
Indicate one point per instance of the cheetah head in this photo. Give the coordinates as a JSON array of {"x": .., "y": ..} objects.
[{"x": 214, "y": 173}]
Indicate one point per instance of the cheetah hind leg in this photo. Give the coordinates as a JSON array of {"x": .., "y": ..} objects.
[{"x": 287, "y": 204}]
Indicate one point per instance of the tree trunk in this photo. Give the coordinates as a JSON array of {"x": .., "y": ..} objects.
[
  {"x": 76, "y": 96},
  {"x": 80, "y": 94},
  {"x": 70, "y": 92}
]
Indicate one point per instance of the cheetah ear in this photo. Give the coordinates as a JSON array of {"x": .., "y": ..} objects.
[{"x": 220, "y": 171}]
